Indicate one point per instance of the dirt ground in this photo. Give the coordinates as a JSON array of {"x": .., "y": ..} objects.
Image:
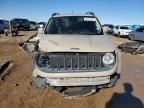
[{"x": 16, "y": 90}]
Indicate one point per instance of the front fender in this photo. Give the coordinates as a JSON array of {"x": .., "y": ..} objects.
[{"x": 118, "y": 53}]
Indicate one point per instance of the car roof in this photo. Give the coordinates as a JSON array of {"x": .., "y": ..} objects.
[
  {"x": 63, "y": 15},
  {"x": 108, "y": 25},
  {"x": 19, "y": 19},
  {"x": 124, "y": 26}
]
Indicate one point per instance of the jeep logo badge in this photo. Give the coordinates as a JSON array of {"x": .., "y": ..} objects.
[{"x": 73, "y": 49}]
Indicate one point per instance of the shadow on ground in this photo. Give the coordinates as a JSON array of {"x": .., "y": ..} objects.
[{"x": 125, "y": 100}]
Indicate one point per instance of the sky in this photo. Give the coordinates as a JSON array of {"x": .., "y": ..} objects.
[{"x": 108, "y": 11}]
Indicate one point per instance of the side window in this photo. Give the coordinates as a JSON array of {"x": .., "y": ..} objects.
[
  {"x": 139, "y": 30},
  {"x": 117, "y": 27}
]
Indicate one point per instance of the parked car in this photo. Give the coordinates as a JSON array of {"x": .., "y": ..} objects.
[
  {"x": 41, "y": 24},
  {"x": 20, "y": 24},
  {"x": 122, "y": 31},
  {"x": 134, "y": 27},
  {"x": 108, "y": 28},
  {"x": 4, "y": 25},
  {"x": 33, "y": 25},
  {"x": 73, "y": 51},
  {"x": 138, "y": 34}
]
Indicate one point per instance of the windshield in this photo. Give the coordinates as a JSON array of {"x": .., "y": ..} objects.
[
  {"x": 21, "y": 20},
  {"x": 122, "y": 27},
  {"x": 74, "y": 25},
  {"x": 18, "y": 20},
  {"x": 25, "y": 21},
  {"x": 2, "y": 22},
  {"x": 111, "y": 26}
]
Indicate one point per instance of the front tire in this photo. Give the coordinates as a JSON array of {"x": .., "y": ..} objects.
[
  {"x": 132, "y": 37},
  {"x": 119, "y": 35}
]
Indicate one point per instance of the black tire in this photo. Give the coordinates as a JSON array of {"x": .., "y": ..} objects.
[
  {"x": 13, "y": 34},
  {"x": 6, "y": 33},
  {"x": 119, "y": 35},
  {"x": 113, "y": 34},
  {"x": 16, "y": 33},
  {"x": 2, "y": 32},
  {"x": 132, "y": 37}
]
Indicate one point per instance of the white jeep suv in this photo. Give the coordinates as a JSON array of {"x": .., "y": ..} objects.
[{"x": 73, "y": 51}]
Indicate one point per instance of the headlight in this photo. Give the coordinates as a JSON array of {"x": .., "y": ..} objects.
[
  {"x": 108, "y": 59},
  {"x": 43, "y": 60}
]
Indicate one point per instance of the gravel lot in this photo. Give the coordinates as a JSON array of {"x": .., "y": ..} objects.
[{"x": 16, "y": 90}]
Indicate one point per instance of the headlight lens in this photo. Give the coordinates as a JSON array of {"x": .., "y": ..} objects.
[
  {"x": 43, "y": 60},
  {"x": 108, "y": 59}
]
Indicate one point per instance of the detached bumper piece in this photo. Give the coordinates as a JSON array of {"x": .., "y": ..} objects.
[
  {"x": 84, "y": 91},
  {"x": 30, "y": 45},
  {"x": 5, "y": 69},
  {"x": 133, "y": 47}
]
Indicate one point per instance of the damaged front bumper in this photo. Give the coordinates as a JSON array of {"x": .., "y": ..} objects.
[
  {"x": 89, "y": 82},
  {"x": 77, "y": 81},
  {"x": 99, "y": 82},
  {"x": 86, "y": 86}
]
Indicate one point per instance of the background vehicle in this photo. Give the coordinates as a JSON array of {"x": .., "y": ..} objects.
[
  {"x": 138, "y": 34},
  {"x": 108, "y": 28},
  {"x": 75, "y": 52},
  {"x": 20, "y": 24},
  {"x": 33, "y": 25},
  {"x": 134, "y": 27},
  {"x": 122, "y": 31},
  {"x": 42, "y": 24},
  {"x": 4, "y": 25}
]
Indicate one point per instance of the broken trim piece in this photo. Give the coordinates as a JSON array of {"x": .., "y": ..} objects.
[
  {"x": 30, "y": 45},
  {"x": 85, "y": 91},
  {"x": 134, "y": 48},
  {"x": 5, "y": 69}
]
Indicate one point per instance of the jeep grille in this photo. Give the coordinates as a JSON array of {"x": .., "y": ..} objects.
[{"x": 74, "y": 62}]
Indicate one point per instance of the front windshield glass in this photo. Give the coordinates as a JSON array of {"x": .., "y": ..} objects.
[
  {"x": 111, "y": 26},
  {"x": 25, "y": 21},
  {"x": 74, "y": 25},
  {"x": 19, "y": 20},
  {"x": 122, "y": 27},
  {"x": 2, "y": 22}
]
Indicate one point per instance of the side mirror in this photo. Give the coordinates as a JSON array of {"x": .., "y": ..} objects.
[{"x": 40, "y": 30}]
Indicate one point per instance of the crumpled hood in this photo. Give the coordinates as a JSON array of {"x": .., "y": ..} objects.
[{"x": 75, "y": 43}]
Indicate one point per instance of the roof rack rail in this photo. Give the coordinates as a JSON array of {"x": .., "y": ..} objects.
[
  {"x": 90, "y": 13},
  {"x": 55, "y": 14}
]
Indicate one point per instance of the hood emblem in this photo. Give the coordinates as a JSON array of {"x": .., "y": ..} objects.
[{"x": 74, "y": 49}]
